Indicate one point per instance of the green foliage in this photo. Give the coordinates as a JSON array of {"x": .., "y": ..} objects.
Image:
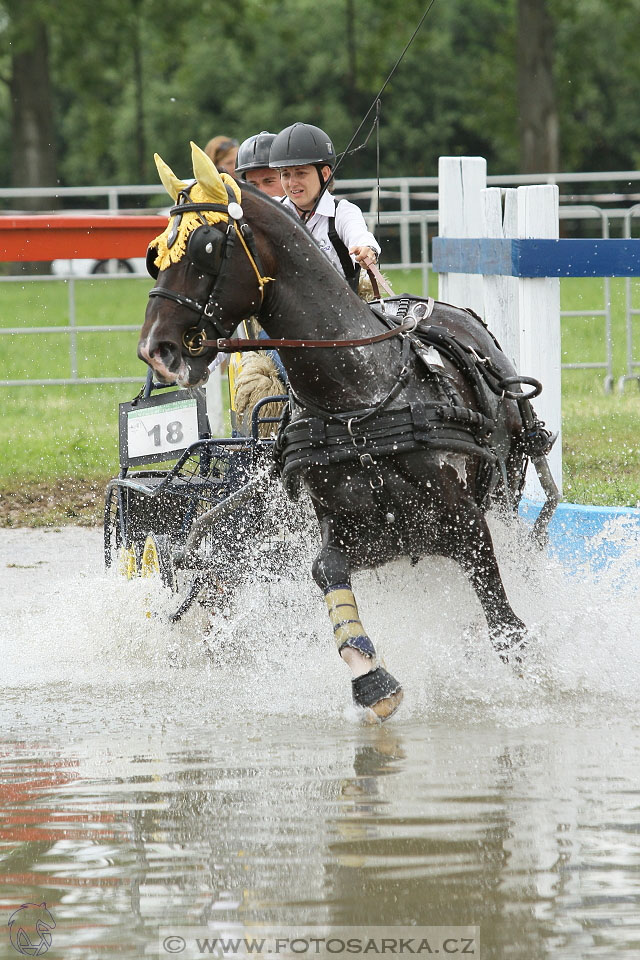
[
  {"x": 598, "y": 83},
  {"x": 209, "y": 67}
]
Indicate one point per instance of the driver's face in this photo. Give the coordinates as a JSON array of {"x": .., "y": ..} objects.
[
  {"x": 302, "y": 184},
  {"x": 265, "y": 179}
]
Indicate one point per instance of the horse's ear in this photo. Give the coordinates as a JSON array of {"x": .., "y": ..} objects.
[
  {"x": 170, "y": 182},
  {"x": 206, "y": 173}
]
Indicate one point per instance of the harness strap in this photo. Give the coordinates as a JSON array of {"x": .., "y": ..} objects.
[
  {"x": 180, "y": 298},
  {"x": 377, "y": 281},
  {"x": 192, "y": 205},
  {"x": 315, "y": 442}
]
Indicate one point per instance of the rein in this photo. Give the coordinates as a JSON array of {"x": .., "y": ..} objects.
[{"x": 224, "y": 345}]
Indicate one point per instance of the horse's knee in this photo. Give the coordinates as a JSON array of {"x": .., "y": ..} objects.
[{"x": 331, "y": 567}]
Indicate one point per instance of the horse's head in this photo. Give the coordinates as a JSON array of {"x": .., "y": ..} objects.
[{"x": 207, "y": 270}]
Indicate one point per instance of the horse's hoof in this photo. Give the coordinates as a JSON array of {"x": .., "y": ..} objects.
[
  {"x": 386, "y": 708},
  {"x": 379, "y": 691}
]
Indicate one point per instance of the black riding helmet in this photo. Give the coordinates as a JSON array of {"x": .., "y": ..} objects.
[
  {"x": 299, "y": 144},
  {"x": 253, "y": 153}
]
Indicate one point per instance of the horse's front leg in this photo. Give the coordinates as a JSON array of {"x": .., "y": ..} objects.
[
  {"x": 372, "y": 685},
  {"x": 473, "y": 549}
]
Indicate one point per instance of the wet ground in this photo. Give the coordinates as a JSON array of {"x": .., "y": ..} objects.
[{"x": 157, "y": 778}]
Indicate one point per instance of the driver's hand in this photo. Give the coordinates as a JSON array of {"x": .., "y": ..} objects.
[{"x": 365, "y": 256}]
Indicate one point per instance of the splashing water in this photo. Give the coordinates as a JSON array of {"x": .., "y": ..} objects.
[{"x": 269, "y": 651}]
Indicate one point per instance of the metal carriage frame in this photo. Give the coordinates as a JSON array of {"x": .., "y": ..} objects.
[{"x": 175, "y": 521}]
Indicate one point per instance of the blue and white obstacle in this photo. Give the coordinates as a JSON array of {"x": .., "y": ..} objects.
[{"x": 499, "y": 253}]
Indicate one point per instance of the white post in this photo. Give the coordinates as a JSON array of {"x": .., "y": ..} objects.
[
  {"x": 461, "y": 214},
  {"x": 539, "y": 315},
  {"x": 523, "y": 313},
  {"x": 501, "y": 293},
  {"x": 215, "y": 408}
]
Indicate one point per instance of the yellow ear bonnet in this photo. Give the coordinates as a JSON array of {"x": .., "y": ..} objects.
[{"x": 209, "y": 187}]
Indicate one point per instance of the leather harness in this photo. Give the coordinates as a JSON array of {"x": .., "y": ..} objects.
[{"x": 326, "y": 437}]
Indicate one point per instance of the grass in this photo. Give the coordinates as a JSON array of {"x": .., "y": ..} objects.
[{"x": 60, "y": 443}]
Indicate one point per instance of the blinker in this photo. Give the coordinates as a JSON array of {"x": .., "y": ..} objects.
[{"x": 205, "y": 248}]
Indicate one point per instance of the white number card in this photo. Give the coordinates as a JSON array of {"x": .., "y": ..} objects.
[{"x": 162, "y": 429}]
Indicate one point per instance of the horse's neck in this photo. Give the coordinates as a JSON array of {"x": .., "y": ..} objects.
[{"x": 310, "y": 301}]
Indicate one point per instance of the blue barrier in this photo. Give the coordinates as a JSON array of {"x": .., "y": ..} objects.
[
  {"x": 579, "y": 533},
  {"x": 537, "y": 258}
]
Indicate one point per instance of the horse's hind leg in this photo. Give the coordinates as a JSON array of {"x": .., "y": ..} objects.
[
  {"x": 473, "y": 549},
  {"x": 372, "y": 685}
]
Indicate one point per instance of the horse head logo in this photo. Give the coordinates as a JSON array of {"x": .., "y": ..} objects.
[{"x": 29, "y": 928}]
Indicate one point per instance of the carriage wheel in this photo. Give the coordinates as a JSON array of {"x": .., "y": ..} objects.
[
  {"x": 111, "y": 527},
  {"x": 128, "y": 562},
  {"x": 117, "y": 551},
  {"x": 156, "y": 560}
]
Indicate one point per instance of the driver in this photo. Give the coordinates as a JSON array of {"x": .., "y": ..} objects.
[
  {"x": 305, "y": 157},
  {"x": 252, "y": 164}
]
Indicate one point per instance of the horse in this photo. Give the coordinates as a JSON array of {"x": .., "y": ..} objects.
[{"x": 407, "y": 420}]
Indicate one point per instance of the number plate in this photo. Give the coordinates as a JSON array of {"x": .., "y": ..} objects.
[{"x": 160, "y": 427}]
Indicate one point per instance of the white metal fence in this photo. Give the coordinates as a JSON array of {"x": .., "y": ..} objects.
[{"x": 407, "y": 229}]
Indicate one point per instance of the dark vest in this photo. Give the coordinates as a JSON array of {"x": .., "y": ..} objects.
[{"x": 351, "y": 270}]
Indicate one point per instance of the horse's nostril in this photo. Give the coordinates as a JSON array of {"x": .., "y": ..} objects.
[{"x": 167, "y": 353}]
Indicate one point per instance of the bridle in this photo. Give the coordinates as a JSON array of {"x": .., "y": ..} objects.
[{"x": 220, "y": 248}]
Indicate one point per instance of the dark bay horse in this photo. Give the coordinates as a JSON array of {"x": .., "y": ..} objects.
[{"x": 400, "y": 443}]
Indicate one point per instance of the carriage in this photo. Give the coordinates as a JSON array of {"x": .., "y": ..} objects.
[{"x": 186, "y": 505}]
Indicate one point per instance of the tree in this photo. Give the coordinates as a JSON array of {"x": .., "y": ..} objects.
[
  {"x": 32, "y": 128},
  {"x": 539, "y": 125}
]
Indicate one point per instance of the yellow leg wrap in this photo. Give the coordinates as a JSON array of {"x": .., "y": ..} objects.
[{"x": 347, "y": 628}]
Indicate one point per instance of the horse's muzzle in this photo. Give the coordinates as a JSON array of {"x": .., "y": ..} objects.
[{"x": 166, "y": 361}]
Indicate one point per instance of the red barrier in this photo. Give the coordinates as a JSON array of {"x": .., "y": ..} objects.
[{"x": 63, "y": 237}]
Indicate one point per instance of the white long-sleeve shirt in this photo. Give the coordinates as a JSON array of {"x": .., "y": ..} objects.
[{"x": 349, "y": 223}]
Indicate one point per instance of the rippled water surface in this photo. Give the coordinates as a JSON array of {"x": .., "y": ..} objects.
[{"x": 155, "y": 775}]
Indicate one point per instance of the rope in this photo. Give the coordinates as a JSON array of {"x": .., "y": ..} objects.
[{"x": 261, "y": 280}]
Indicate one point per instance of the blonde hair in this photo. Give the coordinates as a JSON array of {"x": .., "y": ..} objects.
[{"x": 219, "y": 147}]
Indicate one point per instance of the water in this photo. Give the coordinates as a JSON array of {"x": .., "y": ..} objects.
[{"x": 146, "y": 782}]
